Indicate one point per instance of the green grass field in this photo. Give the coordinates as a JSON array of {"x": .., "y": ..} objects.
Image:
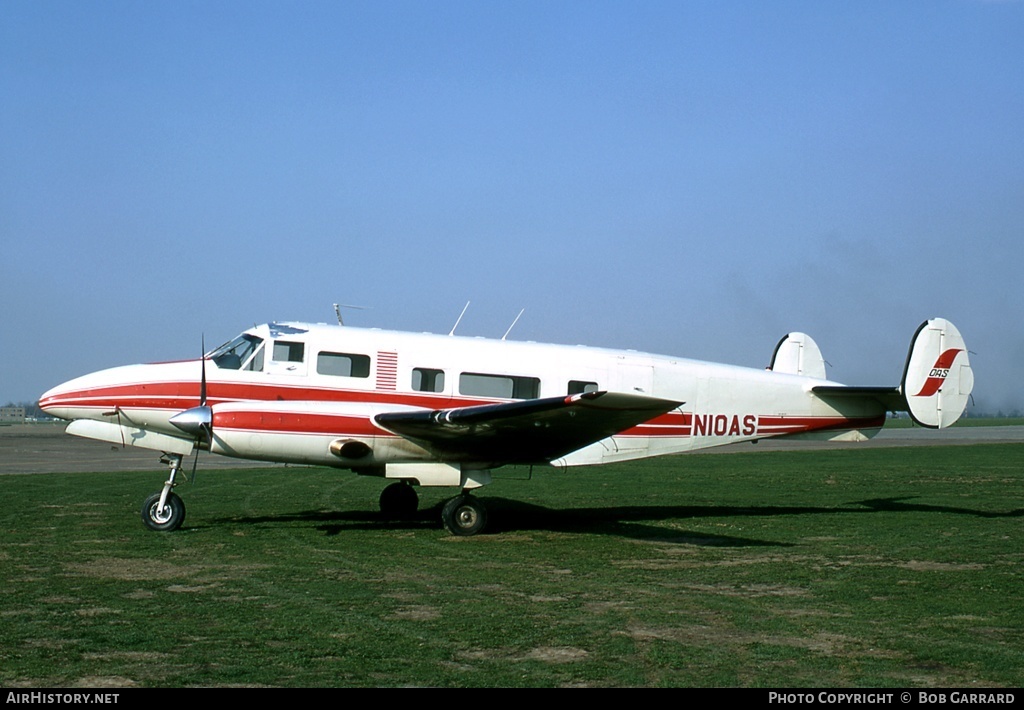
[
  {"x": 906, "y": 422},
  {"x": 888, "y": 567}
]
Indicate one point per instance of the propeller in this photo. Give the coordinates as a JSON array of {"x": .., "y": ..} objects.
[{"x": 197, "y": 421}]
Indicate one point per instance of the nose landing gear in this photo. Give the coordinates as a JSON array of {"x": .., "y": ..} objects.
[{"x": 165, "y": 511}]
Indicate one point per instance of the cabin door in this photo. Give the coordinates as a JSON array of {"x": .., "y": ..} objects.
[
  {"x": 287, "y": 357},
  {"x": 632, "y": 378}
]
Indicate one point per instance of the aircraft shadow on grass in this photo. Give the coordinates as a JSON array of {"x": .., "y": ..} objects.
[
  {"x": 635, "y": 522},
  {"x": 897, "y": 505}
]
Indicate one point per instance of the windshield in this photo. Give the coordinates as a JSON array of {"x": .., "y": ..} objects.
[{"x": 243, "y": 353}]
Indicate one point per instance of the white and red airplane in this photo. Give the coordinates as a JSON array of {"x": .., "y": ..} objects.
[{"x": 435, "y": 410}]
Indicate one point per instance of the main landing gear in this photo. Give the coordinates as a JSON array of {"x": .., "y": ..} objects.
[
  {"x": 165, "y": 511},
  {"x": 462, "y": 515},
  {"x": 399, "y": 500}
]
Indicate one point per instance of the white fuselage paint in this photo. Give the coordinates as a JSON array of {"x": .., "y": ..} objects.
[{"x": 290, "y": 411}]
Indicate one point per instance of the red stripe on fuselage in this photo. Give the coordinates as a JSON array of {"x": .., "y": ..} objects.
[
  {"x": 766, "y": 425},
  {"x": 775, "y": 425},
  {"x": 178, "y": 396}
]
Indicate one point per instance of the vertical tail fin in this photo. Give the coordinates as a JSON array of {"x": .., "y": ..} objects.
[
  {"x": 798, "y": 354},
  {"x": 938, "y": 379}
]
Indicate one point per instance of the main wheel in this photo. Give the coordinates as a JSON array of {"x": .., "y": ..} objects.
[
  {"x": 170, "y": 518},
  {"x": 399, "y": 500},
  {"x": 464, "y": 515}
]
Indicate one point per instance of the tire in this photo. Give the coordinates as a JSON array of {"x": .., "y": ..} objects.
[
  {"x": 172, "y": 516},
  {"x": 399, "y": 500},
  {"x": 464, "y": 515}
]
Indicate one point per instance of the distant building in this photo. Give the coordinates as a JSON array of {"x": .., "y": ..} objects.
[{"x": 12, "y": 415}]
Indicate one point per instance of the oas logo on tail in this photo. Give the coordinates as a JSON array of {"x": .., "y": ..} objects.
[{"x": 939, "y": 372}]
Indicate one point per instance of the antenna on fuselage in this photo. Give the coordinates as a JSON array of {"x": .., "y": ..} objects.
[
  {"x": 339, "y": 306},
  {"x": 459, "y": 319},
  {"x": 513, "y": 324}
]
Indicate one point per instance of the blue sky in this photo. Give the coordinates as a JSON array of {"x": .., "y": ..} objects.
[{"x": 691, "y": 178}]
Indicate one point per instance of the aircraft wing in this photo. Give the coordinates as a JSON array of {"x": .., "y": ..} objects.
[{"x": 527, "y": 431}]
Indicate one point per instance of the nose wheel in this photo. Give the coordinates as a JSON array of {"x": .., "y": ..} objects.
[
  {"x": 166, "y": 517},
  {"x": 165, "y": 511}
]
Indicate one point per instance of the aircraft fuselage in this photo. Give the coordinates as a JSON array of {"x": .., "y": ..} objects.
[{"x": 287, "y": 392}]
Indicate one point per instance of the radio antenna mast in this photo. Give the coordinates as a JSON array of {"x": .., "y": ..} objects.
[
  {"x": 460, "y": 318},
  {"x": 339, "y": 306},
  {"x": 513, "y": 324}
]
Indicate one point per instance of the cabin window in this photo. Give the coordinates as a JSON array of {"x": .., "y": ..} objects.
[
  {"x": 343, "y": 364},
  {"x": 289, "y": 352},
  {"x": 426, "y": 380},
  {"x": 579, "y": 387},
  {"x": 500, "y": 386}
]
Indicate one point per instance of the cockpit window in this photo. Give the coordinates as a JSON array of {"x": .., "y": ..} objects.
[{"x": 243, "y": 353}]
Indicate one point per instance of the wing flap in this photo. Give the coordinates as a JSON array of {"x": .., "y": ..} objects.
[{"x": 526, "y": 431}]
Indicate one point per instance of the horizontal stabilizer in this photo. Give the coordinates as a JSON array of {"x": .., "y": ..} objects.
[
  {"x": 527, "y": 431},
  {"x": 889, "y": 397},
  {"x": 937, "y": 379}
]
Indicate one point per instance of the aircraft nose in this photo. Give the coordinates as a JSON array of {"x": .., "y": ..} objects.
[
  {"x": 52, "y": 401},
  {"x": 67, "y": 399}
]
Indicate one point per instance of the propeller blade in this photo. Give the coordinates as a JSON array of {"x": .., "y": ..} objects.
[
  {"x": 197, "y": 421},
  {"x": 202, "y": 381}
]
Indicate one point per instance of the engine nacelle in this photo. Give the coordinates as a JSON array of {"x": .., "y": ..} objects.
[{"x": 339, "y": 434}]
